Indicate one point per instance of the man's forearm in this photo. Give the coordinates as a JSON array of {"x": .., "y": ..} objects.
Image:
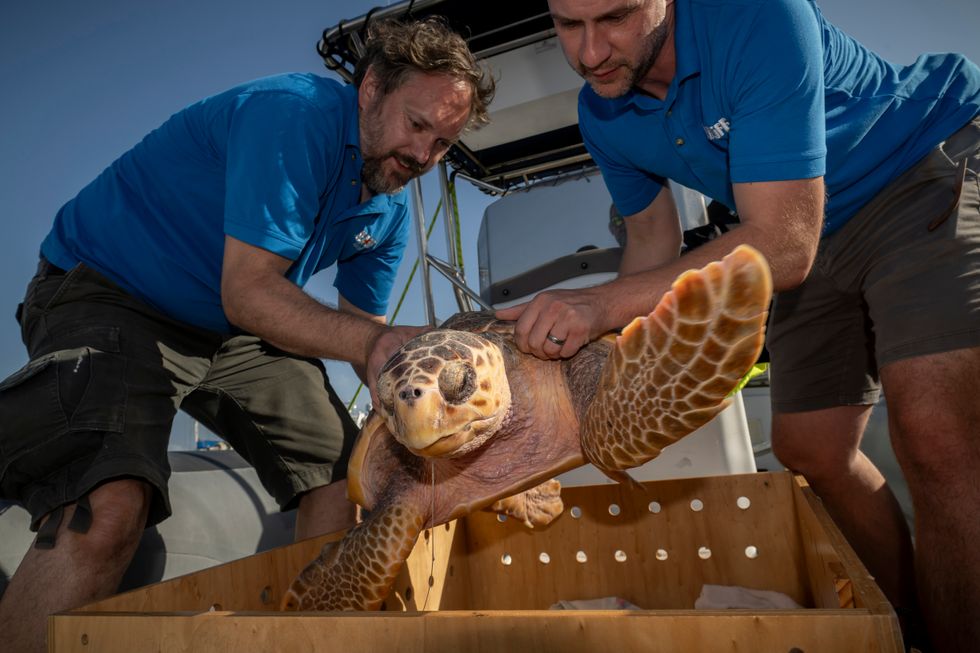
[
  {"x": 637, "y": 294},
  {"x": 282, "y": 314}
]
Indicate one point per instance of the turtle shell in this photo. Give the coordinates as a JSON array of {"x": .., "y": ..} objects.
[{"x": 537, "y": 437}]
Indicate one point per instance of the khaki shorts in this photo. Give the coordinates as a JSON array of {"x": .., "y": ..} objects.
[
  {"x": 900, "y": 279},
  {"x": 106, "y": 377}
]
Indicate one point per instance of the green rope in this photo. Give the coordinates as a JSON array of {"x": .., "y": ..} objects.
[
  {"x": 401, "y": 299},
  {"x": 457, "y": 227}
]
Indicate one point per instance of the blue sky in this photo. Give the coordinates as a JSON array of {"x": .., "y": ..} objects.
[{"x": 84, "y": 81}]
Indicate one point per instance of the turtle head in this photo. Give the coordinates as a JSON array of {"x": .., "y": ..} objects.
[{"x": 444, "y": 393}]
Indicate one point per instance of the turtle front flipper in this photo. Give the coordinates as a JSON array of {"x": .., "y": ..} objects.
[
  {"x": 357, "y": 572},
  {"x": 538, "y": 506},
  {"x": 672, "y": 371}
]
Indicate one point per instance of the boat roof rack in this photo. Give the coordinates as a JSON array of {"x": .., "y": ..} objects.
[{"x": 536, "y": 137}]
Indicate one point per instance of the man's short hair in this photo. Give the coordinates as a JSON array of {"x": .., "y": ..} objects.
[{"x": 395, "y": 49}]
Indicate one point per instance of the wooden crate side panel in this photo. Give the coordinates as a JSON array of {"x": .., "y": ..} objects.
[
  {"x": 624, "y": 553},
  {"x": 428, "y": 577},
  {"x": 257, "y": 582},
  {"x": 490, "y": 632},
  {"x": 457, "y": 589},
  {"x": 831, "y": 562}
]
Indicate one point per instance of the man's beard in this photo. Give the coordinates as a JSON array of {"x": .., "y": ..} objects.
[
  {"x": 634, "y": 74},
  {"x": 373, "y": 175}
]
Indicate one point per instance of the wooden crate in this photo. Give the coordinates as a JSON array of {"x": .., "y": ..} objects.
[{"x": 482, "y": 584}]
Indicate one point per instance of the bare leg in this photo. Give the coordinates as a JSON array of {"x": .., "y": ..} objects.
[
  {"x": 79, "y": 569},
  {"x": 823, "y": 446},
  {"x": 324, "y": 510},
  {"x": 933, "y": 415}
]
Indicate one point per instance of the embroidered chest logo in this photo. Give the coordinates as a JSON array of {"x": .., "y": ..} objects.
[
  {"x": 364, "y": 240},
  {"x": 718, "y": 130}
]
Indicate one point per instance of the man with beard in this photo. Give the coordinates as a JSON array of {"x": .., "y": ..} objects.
[
  {"x": 175, "y": 280},
  {"x": 857, "y": 179}
]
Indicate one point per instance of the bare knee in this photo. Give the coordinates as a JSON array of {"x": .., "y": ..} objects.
[
  {"x": 803, "y": 453},
  {"x": 119, "y": 511},
  {"x": 819, "y": 443}
]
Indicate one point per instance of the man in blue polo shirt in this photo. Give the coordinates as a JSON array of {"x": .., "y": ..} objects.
[
  {"x": 175, "y": 280},
  {"x": 858, "y": 181}
]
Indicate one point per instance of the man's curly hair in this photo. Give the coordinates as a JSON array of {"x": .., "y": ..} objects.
[{"x": 395, "y": 49}]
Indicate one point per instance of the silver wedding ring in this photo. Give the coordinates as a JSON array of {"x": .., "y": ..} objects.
[{"x": 557, "y": 341}]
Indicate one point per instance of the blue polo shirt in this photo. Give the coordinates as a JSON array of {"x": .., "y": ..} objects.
[
  {"x": 274, "y": 163},
  {"x": 768, "y": 90}
]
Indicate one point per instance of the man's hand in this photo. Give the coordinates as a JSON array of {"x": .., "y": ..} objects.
[
  {"x": 382, "y": 348},
  {"x": 572, "y": 316}
]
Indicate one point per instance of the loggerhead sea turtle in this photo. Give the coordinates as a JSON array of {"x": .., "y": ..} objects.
[{"x": 466, "y": 420}]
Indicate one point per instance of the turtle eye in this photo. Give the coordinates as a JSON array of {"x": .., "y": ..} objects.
[{"x": 457, "y": 382}]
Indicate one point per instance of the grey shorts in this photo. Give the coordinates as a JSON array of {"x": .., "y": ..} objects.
[
  {"x": 900, "y": 279},
  {"x": 106, "y": 377}
]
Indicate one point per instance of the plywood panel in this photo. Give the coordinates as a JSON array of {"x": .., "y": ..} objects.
[
  {"x": 637, "y": 574},
  {"x": 496, "y": 632},
  {"x": 458, "y": 568},
  {"x": 253, "y": 583}
]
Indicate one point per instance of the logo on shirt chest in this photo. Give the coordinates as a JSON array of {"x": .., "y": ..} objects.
[
  {"x": 364, "y": 240},
  {"x": 718, "y": 130}
]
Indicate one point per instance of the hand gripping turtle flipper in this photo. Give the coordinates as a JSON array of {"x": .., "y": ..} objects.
[
  {"x": 672, "y": 371},
  {"x": 357, "y": 572}
]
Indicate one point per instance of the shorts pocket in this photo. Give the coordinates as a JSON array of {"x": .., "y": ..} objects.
[{"x": 56, "y": 408}]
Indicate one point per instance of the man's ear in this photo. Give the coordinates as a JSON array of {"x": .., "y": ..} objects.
[{"x": 367, "y": 92}]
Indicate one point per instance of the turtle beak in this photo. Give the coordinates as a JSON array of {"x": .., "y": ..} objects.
[
  {"x": 430, "y": 428},
  {"x": 418, "y": 421}
]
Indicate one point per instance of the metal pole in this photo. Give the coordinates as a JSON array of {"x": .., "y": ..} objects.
[
  {"x": 419, "y": 209},
  {"x": 462, "y": 299},
  {"x": 443, "y": 268},
  {"x": 490, "y": 188}
]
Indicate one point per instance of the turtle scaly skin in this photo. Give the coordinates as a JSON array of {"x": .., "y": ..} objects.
[
  {"x": 466, "y": 421},
  {"x": 680, "y": 363}
]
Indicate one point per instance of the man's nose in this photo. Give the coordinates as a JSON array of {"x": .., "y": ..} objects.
[
  {"x": 594, "y": 49},
  {"x": 421, "y": 151}
]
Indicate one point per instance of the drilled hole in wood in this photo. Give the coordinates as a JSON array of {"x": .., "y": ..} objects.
[
  {"x": 506, "y": 560},
  {"x": 751, "y": 552},
  {"x": 408, "y": 593},
  {"x": 743, "y": 503},
  {"x": 544, "y": 558},
  {"x": 575, "y": 512},
  {"x": 704, "y": 553},
  {"x": 661, "y": 554},
  {"x": 697, "y": 505},
  {"x": 266, "y": 595},
  {"x": 581, "y": 557},
  {"x": 426, "y": 534},
  {"x": 215, "y": 607},
  {"x": 654, "y": 507},
  {"x": 613, "y": 509},
  {"x": 620, "y": 556},
  {"x": 446, "y": 526}
]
